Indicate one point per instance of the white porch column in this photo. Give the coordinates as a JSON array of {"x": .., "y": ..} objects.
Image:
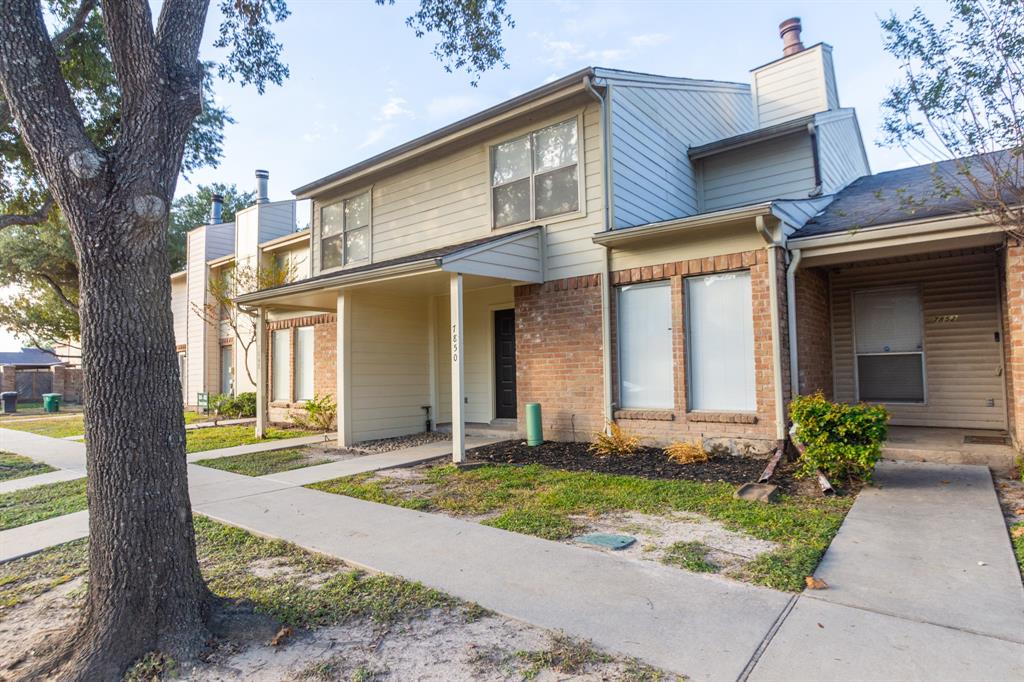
[
  {"x": 343, "y": 367},
  {"x": 262, "y": 373},
  {"x": 458, "y": 373}
]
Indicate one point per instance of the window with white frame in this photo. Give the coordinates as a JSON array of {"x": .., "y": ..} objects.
[
  {"x": 645, "y": 346},
  {"x": 345, "y": 232},
  {"x": 889, "y": 338},
  {"x": 536, "y": 176},
  {"x": 226, "y": 370},
  {"x": 303, "y": 363},
  {"x": 280, "y": 348},
  {"x": 720, "y": 343}
]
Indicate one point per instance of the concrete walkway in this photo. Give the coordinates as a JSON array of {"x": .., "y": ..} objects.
[
  {"x": 922, "y": 582},
  {"x": 908, "y": 599},
  {"x": 39, "y": 479}
]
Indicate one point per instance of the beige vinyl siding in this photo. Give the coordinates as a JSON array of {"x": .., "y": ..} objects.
[
  {"x": 447, "y": 201},
  {"x": 478, "y": 318},
  {"x": 795, "y": 86},
  {"x": 179, "y": 309},
  {"x": 389, "y": 372},
  {"x": 963, "y": 360},
  {"x": 840, "y": 150},
  {"x": 196, "y": 329},
  {"x": 517, "y": 259},
  {"x": 712, "y": 241},
  {"x": 781, "y": 168}
]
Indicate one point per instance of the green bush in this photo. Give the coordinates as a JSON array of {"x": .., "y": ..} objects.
[
  {"x": 321, "y": 412},
  {"x": 843, "y": 441},
  {"x": 240, "y": 406}
]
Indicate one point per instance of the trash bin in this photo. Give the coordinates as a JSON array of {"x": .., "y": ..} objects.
[
  {"x": 51, "y": 402},
  {"x": 10, "y": 401}
]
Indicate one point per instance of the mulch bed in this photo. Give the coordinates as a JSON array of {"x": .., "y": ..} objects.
[{"x": 648, "y": 463}]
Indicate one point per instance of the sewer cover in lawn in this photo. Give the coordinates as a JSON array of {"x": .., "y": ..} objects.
[{"x": 605, "y": 540}]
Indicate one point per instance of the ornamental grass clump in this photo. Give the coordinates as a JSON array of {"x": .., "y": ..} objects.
[
  {"x": 842, "y": 441},
  {"x": 687, "y": 451},
  {"x": 615, "y": 441}
]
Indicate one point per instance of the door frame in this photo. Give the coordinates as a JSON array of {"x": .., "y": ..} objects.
[{"x": 493, "y": 378}]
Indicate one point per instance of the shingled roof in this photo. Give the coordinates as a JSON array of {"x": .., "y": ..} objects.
[
  {"x": 30, "y": 357},
  {"x": 901, "y": 195}
]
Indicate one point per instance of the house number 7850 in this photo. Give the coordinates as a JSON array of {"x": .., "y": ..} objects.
[{"x": 455, "y": 344}]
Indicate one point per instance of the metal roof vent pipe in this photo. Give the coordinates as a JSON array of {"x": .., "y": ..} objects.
[
  {"x": 216, "y": 209},
  {"x": 262, "y": 178},
  {"x": 789, "y": 31}
]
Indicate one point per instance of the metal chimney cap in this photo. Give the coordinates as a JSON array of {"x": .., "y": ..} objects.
[
  {"x": 789, "y": 31},
  {"x": 260, "y": 173},
  {"x": 219, "y": 198}
]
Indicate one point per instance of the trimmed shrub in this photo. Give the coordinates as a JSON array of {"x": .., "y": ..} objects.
[
  {"x": 617, "y": 441},
  {"x": 240, "y": 406},
  {"x": 321, "y": 412},
  {"x": 843, "y": 441}
]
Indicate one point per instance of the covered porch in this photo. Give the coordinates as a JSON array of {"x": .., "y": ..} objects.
[
  {"x": 912, "y": 318},
  {"x": 425, "y": 341}
]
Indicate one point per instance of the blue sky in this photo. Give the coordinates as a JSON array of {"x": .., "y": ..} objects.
[{"x": 361, "y": 82}]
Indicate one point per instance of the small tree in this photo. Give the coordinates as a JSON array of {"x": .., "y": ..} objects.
[
  {"x": 232, "y": 282},
  {"x": 961, "y": 99}
]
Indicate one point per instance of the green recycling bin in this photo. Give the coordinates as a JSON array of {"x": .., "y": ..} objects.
[{"x": 51, "y": 402}]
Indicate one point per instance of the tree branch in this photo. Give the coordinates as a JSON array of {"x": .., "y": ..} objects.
[
  {"x": 60, "y": 40},
  {"x": 61, "y": 296},
  {"x": 39, "y": 216},
  {"x": 129, "y": 30}
]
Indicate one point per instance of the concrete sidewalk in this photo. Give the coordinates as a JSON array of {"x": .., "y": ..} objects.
[
  {"x": 57, "y": 452},
  {"x": 39, "y": 479},
  {"x": 923, "y": 585}
]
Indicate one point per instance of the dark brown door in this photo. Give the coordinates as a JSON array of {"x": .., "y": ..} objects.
[{"x": 505, "y": 364}]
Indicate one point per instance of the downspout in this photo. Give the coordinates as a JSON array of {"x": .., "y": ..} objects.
[
  {"x": 773, "y": 299},
  {"x": 794, "y": 355},
  {"x": 606, "y": 322}
]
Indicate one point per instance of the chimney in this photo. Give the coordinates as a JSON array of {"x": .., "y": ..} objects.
[
  {"x": 262, "y": 177},
  {"x": 789, "y": 31},
  {"x": 216, "y": 209}
]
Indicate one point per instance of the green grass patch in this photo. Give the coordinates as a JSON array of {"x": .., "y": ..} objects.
[
  {"x": 55, "y": 427},
  {"x": 264, "y": 463},
  {"x": 41, "y": 502},
  {"x": 539, "y": 500},
  {"x": 299, "y": 588},
  {"x": 217, "y": 437},
  {"x": 1017, "y": 539},
  {"x": 693, "y": 556},
  {"x": 16, "y": 466}
]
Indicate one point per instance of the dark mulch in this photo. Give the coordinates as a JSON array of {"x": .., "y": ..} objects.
[{"x": 648, "y": 463}]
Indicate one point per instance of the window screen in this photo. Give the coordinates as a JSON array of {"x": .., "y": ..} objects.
[
  {"x": 645, "y": 346},
  {"x": 226, "y": 385},
  {"x": 303, "y": 363},
  {"x": 280, "y": 344},
  {"x": 890, "y": 345},
  {"x": 536, "y": 176},
  {"x": 720, "y": 342}
]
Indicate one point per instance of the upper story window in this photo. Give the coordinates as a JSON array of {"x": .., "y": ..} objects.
[
  {"x": 536, "y": 176},
  {"x": 345, "y": 232}
]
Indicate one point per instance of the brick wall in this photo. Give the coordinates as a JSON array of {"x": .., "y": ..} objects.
[
  {"x": 558, "y": 347},
  {"x": 325, "y": 350},
  {"x": 558, "y": 355},
  {"x": 814, "y": 331},
  {"x": 1013, "y": 343},
  {"x": 68, "y": 382}
]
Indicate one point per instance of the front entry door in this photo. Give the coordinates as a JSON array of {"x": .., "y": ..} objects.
[{"x": 505, "y": 364}]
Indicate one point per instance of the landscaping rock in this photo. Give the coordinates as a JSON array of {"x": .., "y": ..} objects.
[
  {"x": 757, "y": 492},
  {"x": 740, "y": 447}
]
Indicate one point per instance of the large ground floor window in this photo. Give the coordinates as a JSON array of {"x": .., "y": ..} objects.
[
  {"x": 303, "y": 363},
  {"x": 645, "y": 346},
  {"x": 889, "y": 344},
  {"x": 720, "y": 343},
  {"x": 280, "y": 349}
]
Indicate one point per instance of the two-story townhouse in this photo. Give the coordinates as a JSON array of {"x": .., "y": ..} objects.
[
  {"x": 210, "y": 358},
  {"x": 650, "y": 250}
]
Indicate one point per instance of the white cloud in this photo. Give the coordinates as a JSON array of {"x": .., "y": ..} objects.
[
  {"x": 394, "y": 108},
  {"x": 563, "y": 54},
  {"x": 453, "y": 106},
  {"x": 311, "y": 137},
  {"x": 649, "y": 39},
  {"x": 376, "y": 135}
]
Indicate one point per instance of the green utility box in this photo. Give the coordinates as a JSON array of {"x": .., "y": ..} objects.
[
  {"x": 51, "y": 402},
  {"x": 534, "y": 426}
]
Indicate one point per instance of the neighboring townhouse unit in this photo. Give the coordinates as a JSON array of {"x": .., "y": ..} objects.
[
  {"x": 212, "y": 359},
  {"x": 620, "y": 246}
]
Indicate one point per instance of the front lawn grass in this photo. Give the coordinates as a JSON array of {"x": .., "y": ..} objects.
[
  {"x": 264, "y": 463},
  {"x": 296, "y": 587},
  {"x": 41, "y": 502},
  {"x": 55, "y": 427},
  {"x": 217, "y": 437},
  {"x": 16, "y": 466},
  {"x": 539, "y": 500}
]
